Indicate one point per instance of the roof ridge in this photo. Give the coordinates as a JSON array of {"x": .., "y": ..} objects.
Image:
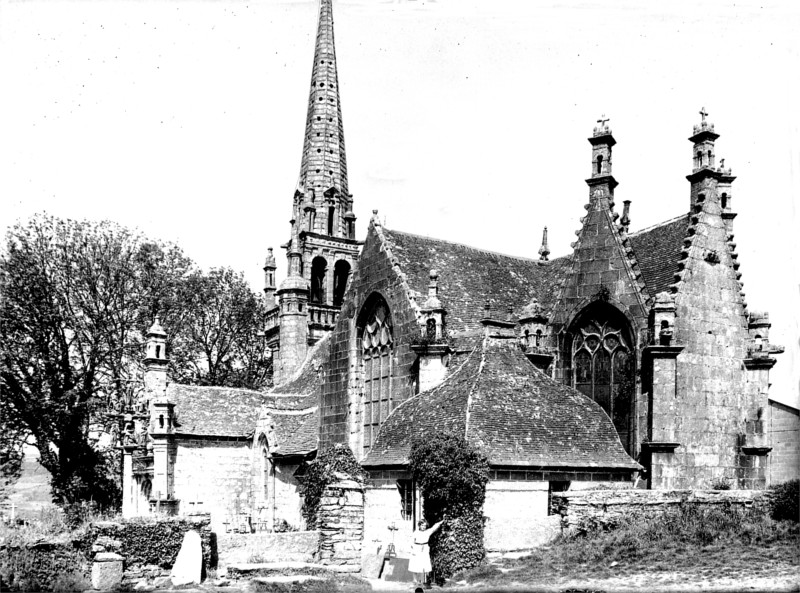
[
  {"x": 484, "y": 345},
  {"x": 478, "y": 249},
  {"x": 239, "y": 389},
  {"x": 417, "y": 395},
  {"x": 660, "y": 224}
]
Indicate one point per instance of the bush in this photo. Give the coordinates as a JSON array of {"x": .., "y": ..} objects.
[
  {"x": 452, "y": 476},
  {"x": 322, "y": 471},
  {"x": 43, "y": 566},
  {"x": 786, "y": 501}
]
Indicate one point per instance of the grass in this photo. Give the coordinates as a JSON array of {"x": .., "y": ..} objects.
[{"x": 697, "y": 542}]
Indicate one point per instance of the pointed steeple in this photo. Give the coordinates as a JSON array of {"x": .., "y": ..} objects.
[{"x": 324, "y": 163}]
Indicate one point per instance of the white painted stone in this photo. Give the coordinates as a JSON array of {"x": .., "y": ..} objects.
[
  {"x": 188, "y": 565},
  {"x": 106, "y": 571}
]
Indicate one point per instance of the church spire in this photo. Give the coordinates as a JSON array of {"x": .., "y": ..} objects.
[{"x": 323, "y": 169}]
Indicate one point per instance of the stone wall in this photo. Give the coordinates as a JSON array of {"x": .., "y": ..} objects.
[
  {"x": 575, "y": 508},
  {"x": 517, "y": 517},
  {"x": 382, "y": 510},
  {"x": 340, "y": 520},
  {"x": 714, "y": 397},
  {"x": 43, "y": 566},
  {"x": 240, "y": 548},
  {"x": 784, "y": 429},
  {"x": 341, "y": 405},
  {"x": 213, "y": 476}
]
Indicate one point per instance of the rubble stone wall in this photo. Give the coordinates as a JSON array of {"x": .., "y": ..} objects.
[
  {"x": 575, "y": 508},
  {"x": 340, "y": 520}
]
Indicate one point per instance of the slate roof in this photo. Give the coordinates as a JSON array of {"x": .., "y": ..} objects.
[
  {"x": 515, "y": 414},
  {"x": 658, "y": 251},
  {"x": 215, "y": 411},
  {"x": 296, "y": 434},
  {"x": 293, "y": 405},
  {"x": 469, "y": 276}
]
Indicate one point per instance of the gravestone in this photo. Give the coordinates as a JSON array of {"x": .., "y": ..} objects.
[
  {"x": 189, "y": 563},
  {"x": 396, "y": 570}
]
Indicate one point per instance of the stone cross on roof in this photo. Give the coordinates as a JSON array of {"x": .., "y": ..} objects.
[
  {"x": 603, "y": 119},
  {"x": 703, "y": 113}
]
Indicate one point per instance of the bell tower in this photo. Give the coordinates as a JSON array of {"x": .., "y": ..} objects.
[{"x": 322, "y": 248}]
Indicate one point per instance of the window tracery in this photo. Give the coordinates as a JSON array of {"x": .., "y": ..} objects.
[
  {"x": 603, "y": 363},
  {"x": 376, "y": 359}
]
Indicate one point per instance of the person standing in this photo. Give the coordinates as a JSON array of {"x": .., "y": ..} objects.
[{"x": 420, "y": 562}]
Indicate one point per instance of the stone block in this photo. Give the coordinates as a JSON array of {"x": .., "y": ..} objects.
[{"x": 107, "y": 571}]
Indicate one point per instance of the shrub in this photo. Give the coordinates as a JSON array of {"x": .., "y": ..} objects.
[
  {"x": 721, "y": 484},
  {"x": 322, "y": 471},
  {"x": 786, "y": 501},
  {"x": 43, "y": 566},
  {"x": 452, "y": 476}
]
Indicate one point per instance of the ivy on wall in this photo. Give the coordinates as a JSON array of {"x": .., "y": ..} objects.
[
  {"x": 452, "y": 475},
  {"x": 322, "y": 471}
]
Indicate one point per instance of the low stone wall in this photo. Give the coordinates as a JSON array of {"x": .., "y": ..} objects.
[
  {"x": 242, "y": 548},
  {"x": 149, "y": 546},
  {"x": 44, "y": 565},
  {"x": 340, "y": 520},
  {"x": 577, "y": 508}
]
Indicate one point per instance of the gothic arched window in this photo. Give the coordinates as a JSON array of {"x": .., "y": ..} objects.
[
  {"x": 376, "y": 347},
  {"x": 603, "y": 364},
  {"x": 264, "y": 469},
  {"x": 318, "y": 269},
  {"x": 341, "y": 272}
]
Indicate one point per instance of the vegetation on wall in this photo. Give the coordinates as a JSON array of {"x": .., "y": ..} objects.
[
  {"x": 154, "y": 541},
  {"x": 452, "y": 476},
  {"x": 786, "y": 501},
  {"x": 337, "y": 459}
]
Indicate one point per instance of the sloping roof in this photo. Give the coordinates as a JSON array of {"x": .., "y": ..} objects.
[
  {"x": 658, "y": 251},
  {"x": 296, "y": 434},
  {"x": 293, "y": 405},
  {"x": 215, "y": 411},
  {"x": 515, "y": 414},
  {"x": 468, "y": 277}
]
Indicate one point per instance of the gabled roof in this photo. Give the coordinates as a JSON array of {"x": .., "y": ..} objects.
[
  {"x": 215, "y": 411},
  {"x": 514, "y": 413},
  {"x": 468, "y": 277},
  {"x": 658, "y": 249}
]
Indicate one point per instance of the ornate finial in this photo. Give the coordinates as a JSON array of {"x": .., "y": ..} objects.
[
  {"x": 626, "y": 219},
  {"x": 375, "y": 212},
  {"x": 270, "y": 261},
  {"x": 602, "y": 121},
  {"x": 544, "y": 250},
  {"x": 432, "y": 303},
  {"x": 703, "y": 114}
]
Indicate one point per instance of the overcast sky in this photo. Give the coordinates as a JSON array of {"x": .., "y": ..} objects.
[{"x": 463, "y": 120}]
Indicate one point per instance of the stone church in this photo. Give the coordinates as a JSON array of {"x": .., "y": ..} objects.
[{"x": 633, "y": 361}]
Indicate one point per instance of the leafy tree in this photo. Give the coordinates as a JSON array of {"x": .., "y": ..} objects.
[
  {"x": 223, "y": 331},
  {"x": 68, "y": 309},
  {"x": 452, "y": 475},
  {"x": 12, "y": 439},
  {"x": 76, "y": 299}
]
